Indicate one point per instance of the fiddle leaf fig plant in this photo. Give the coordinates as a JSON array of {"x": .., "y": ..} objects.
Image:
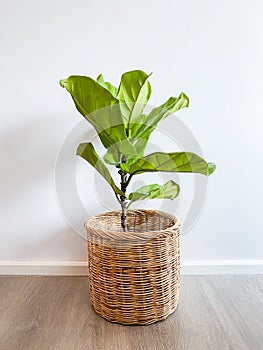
[{"x": 117, "y": 114}]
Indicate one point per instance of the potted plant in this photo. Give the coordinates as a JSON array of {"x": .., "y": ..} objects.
[{"x": 133, "y": 255}]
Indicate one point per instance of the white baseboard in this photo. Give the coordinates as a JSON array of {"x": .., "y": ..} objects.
[
  {"x": 222, "y": 267},
  {"x": 49, "y": 268},
  {"x": 79, "y": 268}
]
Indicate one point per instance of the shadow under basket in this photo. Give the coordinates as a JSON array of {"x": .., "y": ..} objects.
[{"x": 134, "y": 276}]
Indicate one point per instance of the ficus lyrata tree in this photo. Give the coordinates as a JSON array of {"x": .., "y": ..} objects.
[{"x": 117, "y": 114}]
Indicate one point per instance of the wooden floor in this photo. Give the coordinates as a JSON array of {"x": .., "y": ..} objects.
[{"x": 53, "y": 313}]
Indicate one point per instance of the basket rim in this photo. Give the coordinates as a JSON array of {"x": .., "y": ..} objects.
[{"x": 90, "y": 225}]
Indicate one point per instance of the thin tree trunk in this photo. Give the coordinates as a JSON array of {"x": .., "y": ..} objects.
[
  {"x": 123, "y": 201},
  {"x": 123, "y": 216}
]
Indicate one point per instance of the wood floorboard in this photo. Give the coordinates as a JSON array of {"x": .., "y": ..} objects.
[{"x": 54, "y": 313}]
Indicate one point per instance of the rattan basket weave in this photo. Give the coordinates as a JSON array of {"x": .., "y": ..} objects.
[{"x": 134, "y": 276}]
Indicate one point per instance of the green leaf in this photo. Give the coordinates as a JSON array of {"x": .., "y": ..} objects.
[
  {"x": 170, "y": 162},
  {"x": 149, "y": 122},
  {"x": 172, "y": 105},
  {"x": 211, "y": 168},
  {"x": 87, "y": 152},
  {"x": 134, "y": 93},
  {"x": 102, "y": 110},
  {"x": 169, "y": 190},
  {"x": 112, "y": 89},
  {"x": 112, "y": 155}
]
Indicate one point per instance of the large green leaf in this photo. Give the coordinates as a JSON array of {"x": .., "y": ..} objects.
[
  {"x": 172, "y": 105},
  {"x": 169, "y": 190},
  {"x": 134, "y": 93},
  {"x": 102, "y": 110},
  {"x": 87, "y": 151},
  {"x": 148, "y": 123},
  {"x": 171, "y": 162},
  {"x": 112, "y": 89}
]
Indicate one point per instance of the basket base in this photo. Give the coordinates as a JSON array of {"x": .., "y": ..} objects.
[{"x": 139, "y": 322}]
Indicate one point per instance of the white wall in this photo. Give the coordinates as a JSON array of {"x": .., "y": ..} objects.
[{"x": 212, "y": 50}]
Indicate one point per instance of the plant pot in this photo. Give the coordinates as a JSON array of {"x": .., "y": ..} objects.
[{"x": 134, "y": 276}]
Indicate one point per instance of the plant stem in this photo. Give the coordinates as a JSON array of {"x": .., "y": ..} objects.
[{"x": 123, "y": 201}]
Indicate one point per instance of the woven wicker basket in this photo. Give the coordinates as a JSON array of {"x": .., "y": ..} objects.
[{"x": 134, "y": 276}]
